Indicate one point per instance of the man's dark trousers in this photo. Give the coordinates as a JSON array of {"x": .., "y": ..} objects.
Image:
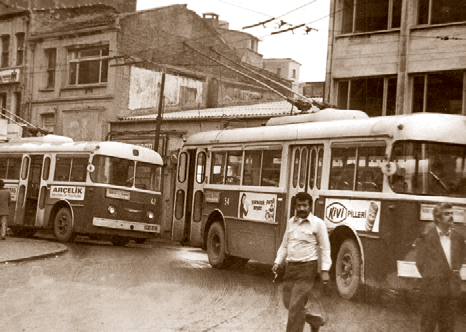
[{"x": 298, "y": 281}]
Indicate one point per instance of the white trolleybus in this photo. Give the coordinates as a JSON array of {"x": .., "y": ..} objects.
[
  {"x": 105, "y": 190},
  {"x": 374, "y": 181}
]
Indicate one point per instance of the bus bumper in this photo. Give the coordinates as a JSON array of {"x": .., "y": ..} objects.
[{"x": 126, "y": 225}]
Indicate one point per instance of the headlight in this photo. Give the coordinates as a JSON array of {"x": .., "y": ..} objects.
[
  {"x": 150, "y": 215},
  {"x": 111, "y": 209}
]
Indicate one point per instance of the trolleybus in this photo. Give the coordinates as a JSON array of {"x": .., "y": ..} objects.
[
  {"x": 374, "y": 181},
  {"x": 104, "y": 190}
]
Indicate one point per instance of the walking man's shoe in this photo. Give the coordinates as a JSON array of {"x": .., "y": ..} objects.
[{"x": 316, "y": 322}]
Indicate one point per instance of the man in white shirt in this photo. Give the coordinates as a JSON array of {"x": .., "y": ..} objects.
[
  {"x": 305, "y": 238},
  {"x": 440, "y": 253}
]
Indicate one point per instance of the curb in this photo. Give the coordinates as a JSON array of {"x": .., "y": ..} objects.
[{"x": 45, "y": 253}]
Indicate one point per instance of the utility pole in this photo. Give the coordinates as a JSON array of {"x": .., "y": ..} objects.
[{"x": 158, "y": 121}]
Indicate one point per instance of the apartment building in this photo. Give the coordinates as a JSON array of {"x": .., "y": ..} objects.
[
  {"x": 391, "y": 57},
  {"x": 13, "y": 32}
]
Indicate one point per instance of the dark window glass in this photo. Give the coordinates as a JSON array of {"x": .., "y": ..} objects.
[
  {"x": 343, "y": 90},
  {"x": 271, "y": 165},
  {"x": 296, "y": 168},
  {"x": 198, "y": 199},
  {"x": 179, "y": 207},
  {"x": 182, "y": 167},
  {"x": 252, "y": 168},
  {"x": 303, "y": 170},
  {"x": 200, "y": 169},
  {"x": 46, "y": 171},
  {"x": 218, "y": 167}
]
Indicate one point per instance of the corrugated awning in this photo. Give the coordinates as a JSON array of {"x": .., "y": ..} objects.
[{"x": 265, "y": 110}]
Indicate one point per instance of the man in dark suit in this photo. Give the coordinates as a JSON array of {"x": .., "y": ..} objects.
[{"x": 440, "y": 253}]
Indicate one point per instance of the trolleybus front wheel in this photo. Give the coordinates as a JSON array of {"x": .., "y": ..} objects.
[
  {"x": 348, "y": 269},
  {"x": 216, "y": 247},
  {"x": 63, "y": 226}
]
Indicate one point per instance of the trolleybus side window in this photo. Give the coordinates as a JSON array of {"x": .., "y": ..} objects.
[
  {"x": 271, "y": 164},
  {"x": 429, "y": 169},
  {"x": 234, "y": 166},
  {"x": 218, "y": 167},
  {"x": 357, "y": 168},
  {"x": 252, "y": 167},
  {"x": 71, "y": 169},
  {"x": 10, "y": 168}
]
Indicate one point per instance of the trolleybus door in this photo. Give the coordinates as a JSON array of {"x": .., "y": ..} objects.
[
  {"x": 22, "y": 185},
  {"x": 196, "y": 200},
  {"x": 305, "y": 174},
  {"x": 33, "y": 190},
  {"x": 40, "y": 217},
  {"x": 189, "y": 199},
  {"x": 184, "y": 197}
]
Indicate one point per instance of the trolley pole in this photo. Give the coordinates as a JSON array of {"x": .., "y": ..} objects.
[{"x": 158, "y": 121}]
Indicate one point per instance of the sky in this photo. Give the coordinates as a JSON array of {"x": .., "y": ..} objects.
[{"x": 309, "y": 49}]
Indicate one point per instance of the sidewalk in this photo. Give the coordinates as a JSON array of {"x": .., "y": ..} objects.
[{"x": 16, "y": 249}]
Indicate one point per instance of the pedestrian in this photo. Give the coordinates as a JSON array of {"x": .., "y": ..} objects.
[
  {"x": 305, "y": 238},
  {"x": 5, "y": 199},
  {"x": 440, "y": 253}
]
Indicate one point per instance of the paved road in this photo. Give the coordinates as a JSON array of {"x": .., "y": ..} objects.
[{"x": 96, "y": 286}]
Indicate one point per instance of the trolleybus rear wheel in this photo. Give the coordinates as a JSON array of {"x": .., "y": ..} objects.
[
  {"x": 348, "y": 269},
  {"x": 216, "y": 247},
  {"x": 140, "y": 240},
  {"x": 63, "y": 226}
]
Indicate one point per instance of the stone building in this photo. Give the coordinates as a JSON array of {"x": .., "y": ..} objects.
[
  {"x": 93, "y": 64},
  {"x": 286, "y": 68},
  {"x": 391, "y": 57},
  {"x": 13, "y": 67}
]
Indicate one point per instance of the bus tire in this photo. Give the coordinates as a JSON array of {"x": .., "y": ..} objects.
[
  {"x": 140, "y": 240},
  {"x": 348, "y": 269},
  {"x": 63, "y": 226},
  {"x": 120, "y": 241},
  {"x": 216, "y": 247}
]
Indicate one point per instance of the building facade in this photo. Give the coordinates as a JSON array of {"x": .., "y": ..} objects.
[
  {"x": 93, "y": 64},
  {"x": 286, "y": 68},
  {"x": 391, "y": 57},
  {"x": 13, "y": 66}
]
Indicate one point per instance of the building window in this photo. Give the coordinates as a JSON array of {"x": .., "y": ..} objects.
[
  {"x": 188, "y": 96},
  {"x": 374, "y": 95},
  {"x": 17, "y": 103},
  {"x": 5, "y": 51},
  {"x": 48, "y": 122},
  {"x": 3, "y": 104},
  {"x": 19, "y": 48},
  {"x": 89, "y": 66},
  {"x": 441, "y": 11},
  {"x": 438, "y": 92},
  {"x": 366, "y": 16},
  {"x": 51, "y": 55},
  {"x": 293, "y": 73}
]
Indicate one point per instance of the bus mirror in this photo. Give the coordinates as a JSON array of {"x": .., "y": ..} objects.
[
  {"x": 90, "y": 168},
  {"x": 388, "y": 168}
]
